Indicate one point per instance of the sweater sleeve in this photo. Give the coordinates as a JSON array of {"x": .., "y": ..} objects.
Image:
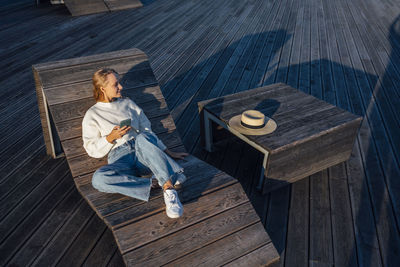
[
  {"x": 145, "y": 126},
  {"x": 95, "y": 145}
]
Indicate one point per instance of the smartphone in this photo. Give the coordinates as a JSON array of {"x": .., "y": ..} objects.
[{"x": 126, "y": 122}]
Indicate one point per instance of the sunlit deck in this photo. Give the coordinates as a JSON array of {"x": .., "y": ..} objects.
[{"x": 344, "y": 52}]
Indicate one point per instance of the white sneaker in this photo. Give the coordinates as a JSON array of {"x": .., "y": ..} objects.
[
  {"x": 180, "y": 180},
  {"x": 174, "y": 207}
]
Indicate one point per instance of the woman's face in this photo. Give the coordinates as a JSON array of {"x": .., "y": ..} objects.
[{"x": 112, "y": 88}]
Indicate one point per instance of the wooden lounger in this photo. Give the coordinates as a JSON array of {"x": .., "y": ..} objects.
[
  {"x": 85, "y": 7},
  {"x": 219, "y": 225}
]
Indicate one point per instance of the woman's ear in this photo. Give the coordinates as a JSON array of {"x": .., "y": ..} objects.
[{"x": 103, "y": 91}]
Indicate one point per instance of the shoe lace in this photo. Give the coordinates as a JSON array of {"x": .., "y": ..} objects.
[{"x": 171, "y": 197}]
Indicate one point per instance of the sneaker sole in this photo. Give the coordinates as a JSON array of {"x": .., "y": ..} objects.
[{"x": 173, "y": 216}]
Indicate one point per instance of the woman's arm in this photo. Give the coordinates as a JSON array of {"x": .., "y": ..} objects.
[
  {"x": 117, "y": 133},
  {"x": 95, "y": 145}
]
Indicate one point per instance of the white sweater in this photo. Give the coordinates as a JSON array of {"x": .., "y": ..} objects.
[{"x": 101, "y": 118}]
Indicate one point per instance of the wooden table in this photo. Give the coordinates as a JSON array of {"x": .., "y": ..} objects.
[{"x": 312, "y": 134}]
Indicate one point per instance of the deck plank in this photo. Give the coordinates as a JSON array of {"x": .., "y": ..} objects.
[
  {"x": 19, "y": 232},
  {"x": 47, "y": 230},
  {"x": 67, "y": 233},
  {"x": 343, "y": 234},
  {"x": 91, "y": 233},
  {"x": 362, "y": 219},
  {"x": 388, "y": 154},
  {"x": 297, "y": 246},
  {"x": 381, "y": 202},
  {"x": 100, "y": 255},
  {"x": 353, "y": 46}
]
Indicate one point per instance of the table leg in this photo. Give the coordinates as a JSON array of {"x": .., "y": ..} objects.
[
  {"x": 262, "y": 175},
  {"x": 208, "y": 136}
]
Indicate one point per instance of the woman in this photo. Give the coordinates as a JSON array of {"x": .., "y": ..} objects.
[{"x": 133, "y": 150}]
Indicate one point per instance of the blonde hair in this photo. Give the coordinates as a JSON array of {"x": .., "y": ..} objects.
[{"x": 100, "y": 80}]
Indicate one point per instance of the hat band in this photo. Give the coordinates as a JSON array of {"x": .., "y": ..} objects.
[{"x": 252, "y": 126}]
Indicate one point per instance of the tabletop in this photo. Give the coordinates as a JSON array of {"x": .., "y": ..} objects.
[{"x": 299, "y": 116}]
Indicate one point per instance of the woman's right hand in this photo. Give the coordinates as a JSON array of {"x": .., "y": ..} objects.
[{"x": 117, "y": 133}]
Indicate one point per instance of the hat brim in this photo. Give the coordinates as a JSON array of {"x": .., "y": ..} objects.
[{"x": 269, "y": 127}]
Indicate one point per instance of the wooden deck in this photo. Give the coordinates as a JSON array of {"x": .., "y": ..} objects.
[{"x": 345, "y": 52}]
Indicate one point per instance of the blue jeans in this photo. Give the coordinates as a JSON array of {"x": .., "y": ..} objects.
[{"x": 126, "y": 163}]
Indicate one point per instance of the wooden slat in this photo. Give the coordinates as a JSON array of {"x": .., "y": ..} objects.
[
  {"x": 46, "y": 230},
  {"x": 94, "y": 58},
  {"x": 281, "y": 107},
  {"x": 78, "y": 8},
  {"x": 237, "y": 244},
  {"x": 120, "y": 218},
  {"x": 342, "y": 228},
  {"x": 278, "y": 90},
  {"x": 14, "y": 177},
  {"x": 42, "y": 105},
  {"x": 18, "y": 193},
  {"x": 297, "y": 246},
  {"x": 115, "y": 5},
  {"x": 80, "y": 70},
  {"x": 84, "y": 164},
  {"x": 166, "y": 249},
  {"x": 257, "y": 257},
  {"x": 94, "y": 228},
  {"x": 65, "y": 236},
  {"x": 36, "y": 218},
  {"x": 78, "y": 108},
  {"x": 277, "y": 214},
  {"x": 101, "y": 252},
  {"x": 76, "y": 91},
  {"x": 321, "y": 252},
  {"x": 158, "y": 226}
]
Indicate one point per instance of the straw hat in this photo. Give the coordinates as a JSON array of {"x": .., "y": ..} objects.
[{"x": 252, "y": 122}]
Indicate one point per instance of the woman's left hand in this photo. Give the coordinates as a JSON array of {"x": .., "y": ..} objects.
[{"x": 176, "y": 155}]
